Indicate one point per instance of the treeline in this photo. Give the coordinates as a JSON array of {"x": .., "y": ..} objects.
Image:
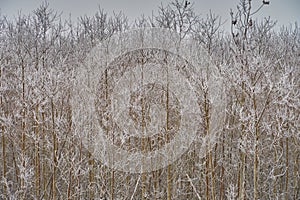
[{"x": 255, "y": 153}]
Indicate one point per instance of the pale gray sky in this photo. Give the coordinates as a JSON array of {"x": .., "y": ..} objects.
[{"x": 284, "y": 11}]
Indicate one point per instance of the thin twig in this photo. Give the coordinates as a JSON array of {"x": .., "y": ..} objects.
[
  {"x": 137, "y": 183},
  {"x": 194, "y": 188},
  {"x": 258, "y": 9}
]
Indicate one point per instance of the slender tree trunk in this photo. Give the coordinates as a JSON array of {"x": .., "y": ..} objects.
[
  {"x": 207, "y": 178},
  {"x": 44, "y": 184},
  {"x": 241, "y": 180},
  {"x": 287, "y": 168},
  {"x": 79, "y": 172},
  {"x": 37, "y": 155},
  {"x": 275, "y": 172},
  {"x": 23, "y": 124},
  {"x": 112, "y": 172},
  {"x": 3, "y": 143},
  {"x": 69, "y": 193},
  {"x": 3, "y": 159},
  {"x": 255, "y": 171},
  {"x": 143, "y": 150},
  {"x": 255, "y": 164},
  {"x": 70, "y": 146},
  {"x": 54, "y": 159},
  {"x": 222, "y": 169},
  {"x": 167, "y": 139},
  {"x": 91, "y": 169},
  {"x": 143, "y": 132},
  {"x": 112, "y": 183},
  {"x": 296, "y": 172},
  {"x": 208, "y": 161},
  {"x": 281, "y": 187},
  {"x": 212, "y": 175},
  {"x": 169, "y": 182}
]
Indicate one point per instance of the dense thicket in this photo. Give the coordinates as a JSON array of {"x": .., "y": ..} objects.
[{"x": 256, "y": 154}]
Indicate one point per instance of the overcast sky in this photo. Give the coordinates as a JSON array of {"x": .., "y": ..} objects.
[{"x": 284, "y": 11}]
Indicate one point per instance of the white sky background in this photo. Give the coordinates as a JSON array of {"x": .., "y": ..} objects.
[{"x": 285, "y": 12}]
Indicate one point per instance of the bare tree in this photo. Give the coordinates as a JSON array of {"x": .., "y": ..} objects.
[
  {"x": 245, "y": 148},
  {"x": 178, "y": 16}
]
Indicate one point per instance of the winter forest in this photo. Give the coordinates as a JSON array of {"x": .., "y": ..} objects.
[{"x": 222, "y": 106}]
